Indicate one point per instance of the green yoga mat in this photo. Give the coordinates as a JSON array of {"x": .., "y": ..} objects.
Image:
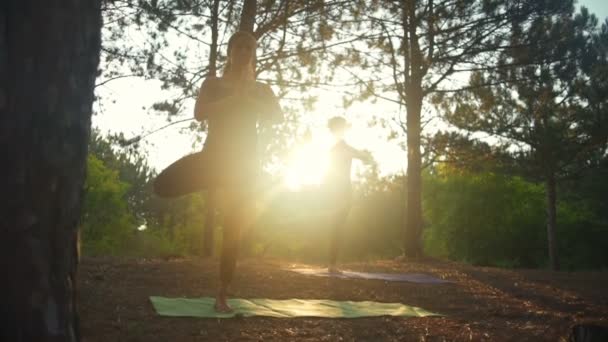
[{"x": 203, "y": 307}]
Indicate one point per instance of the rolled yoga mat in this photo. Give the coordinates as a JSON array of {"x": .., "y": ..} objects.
[
  {"x": 406, "y": 277},
  {"x": 289, "y": 308}
]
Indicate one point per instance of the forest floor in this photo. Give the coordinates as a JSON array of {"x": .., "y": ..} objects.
[{"x": 481, "y": 303}]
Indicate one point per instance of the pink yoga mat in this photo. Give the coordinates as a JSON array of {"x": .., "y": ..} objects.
[{"x": 407, "y": 277}]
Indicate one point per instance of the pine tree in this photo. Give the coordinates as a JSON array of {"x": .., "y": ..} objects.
[
  {"x": 419, "y": 48},
  {"x": 49, "y": 53},
  {"x": 545, "y": 102}
]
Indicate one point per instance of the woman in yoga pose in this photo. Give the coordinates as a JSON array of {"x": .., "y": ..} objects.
[{"x": 228, "y": 165}]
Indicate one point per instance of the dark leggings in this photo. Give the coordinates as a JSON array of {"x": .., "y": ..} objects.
[
  {"x": 230, "y": 248},
  {"x": 198, "y": 172},
  {"x": 338, "y": 220},
  {"x": 238, "y": 217}
]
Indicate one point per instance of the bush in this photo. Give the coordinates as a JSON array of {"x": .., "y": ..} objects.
[
  {"x": 107, "y": 223},
  {"x": 490, "y": 219}
]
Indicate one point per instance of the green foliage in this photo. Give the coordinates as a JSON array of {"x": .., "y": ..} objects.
[
  {"x": 119, "y": 199},
  {"x": 543, "y": 101},
  {"x": 492, "y": 219},
  {"x": 110, "y": 227},
  {"x": 485, "y": 219},
  {"x": 583, "y": 236},
  {"x": 107, "y": 222},
  {"x": 132, "y": 168},
  {"x": 542, "y": 104},
  {"x": 183, "y": 220},
  {"x": 178, "y": 233},
  {"x": 584, "y": 225}
]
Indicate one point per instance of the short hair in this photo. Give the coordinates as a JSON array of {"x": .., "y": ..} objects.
[{"x": 337, "y": 123}]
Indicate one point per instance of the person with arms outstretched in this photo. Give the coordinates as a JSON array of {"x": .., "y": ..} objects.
[{"x": 338, "y": 184}]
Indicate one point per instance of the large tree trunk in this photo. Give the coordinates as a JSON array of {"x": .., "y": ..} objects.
[
  {"x": 49, "y": 52},
  {"x": 550, "y": 188}
]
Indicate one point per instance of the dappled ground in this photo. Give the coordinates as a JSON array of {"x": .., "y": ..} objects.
[{"x": 483, "y": 304}]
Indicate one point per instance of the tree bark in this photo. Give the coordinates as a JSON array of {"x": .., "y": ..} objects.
[
  {"x": 49, "y": 53},
  {"x": 214, "y": 38},
  {"x": 248, "y": 16},
  {"x": 413, "y": 227},
  {"x": 550, "y": 188},
  {"x": 210, "y": 205},
  {"x": 209, "y": 229},
  {"x": 413, "y": 96}
]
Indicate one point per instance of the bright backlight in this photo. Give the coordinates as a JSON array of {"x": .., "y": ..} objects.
[{"x": 307, "y": 166}]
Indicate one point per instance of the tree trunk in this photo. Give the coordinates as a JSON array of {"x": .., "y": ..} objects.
[
  {"x": 413, "y": 227},
  {"x": 552, "y": 221},
  {"x": 248, "y": 15},
  {"x": 49, "y": 52},
  {"x": 413, "y": 96},
  {"x": 210, "y": 204},
  {"x": 247, "y": 22},
  {"x": 208, "y": 232},
  {"x": 214, "y": 38}
]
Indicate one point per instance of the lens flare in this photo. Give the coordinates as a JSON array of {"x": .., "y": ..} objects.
[{"x": 307, "y": 166}]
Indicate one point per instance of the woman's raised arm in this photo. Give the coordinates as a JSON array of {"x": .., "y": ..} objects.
[
  {"x": 269, "y": 103},
  {"x": 208, "y": 104}
]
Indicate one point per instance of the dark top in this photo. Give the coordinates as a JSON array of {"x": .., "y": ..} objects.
[
  {"x": 341, "y": 157},
  {"x": 232, "y": 136}
]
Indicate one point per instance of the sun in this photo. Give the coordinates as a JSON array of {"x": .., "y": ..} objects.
[
  {"x": 309, "y": 162},
  {"x": 307, "y": 166}
]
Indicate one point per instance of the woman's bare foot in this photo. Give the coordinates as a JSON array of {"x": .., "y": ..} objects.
[{"x": 221, "y": 305}]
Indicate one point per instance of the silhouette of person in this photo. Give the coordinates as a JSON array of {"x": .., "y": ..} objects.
[
  {"x": 228, "y": 165},
  {"x": 338, "y": 184}
]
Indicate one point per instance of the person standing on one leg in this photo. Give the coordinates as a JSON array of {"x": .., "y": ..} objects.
[
  {"x": 228, "y": 165},
  {"x": 338, "y": 184}
]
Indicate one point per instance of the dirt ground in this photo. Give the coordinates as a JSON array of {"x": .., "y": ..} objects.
[{"x": 482, "y": 304}]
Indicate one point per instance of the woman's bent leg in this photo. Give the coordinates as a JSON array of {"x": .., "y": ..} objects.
[{"x": 187, "y": 175}]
